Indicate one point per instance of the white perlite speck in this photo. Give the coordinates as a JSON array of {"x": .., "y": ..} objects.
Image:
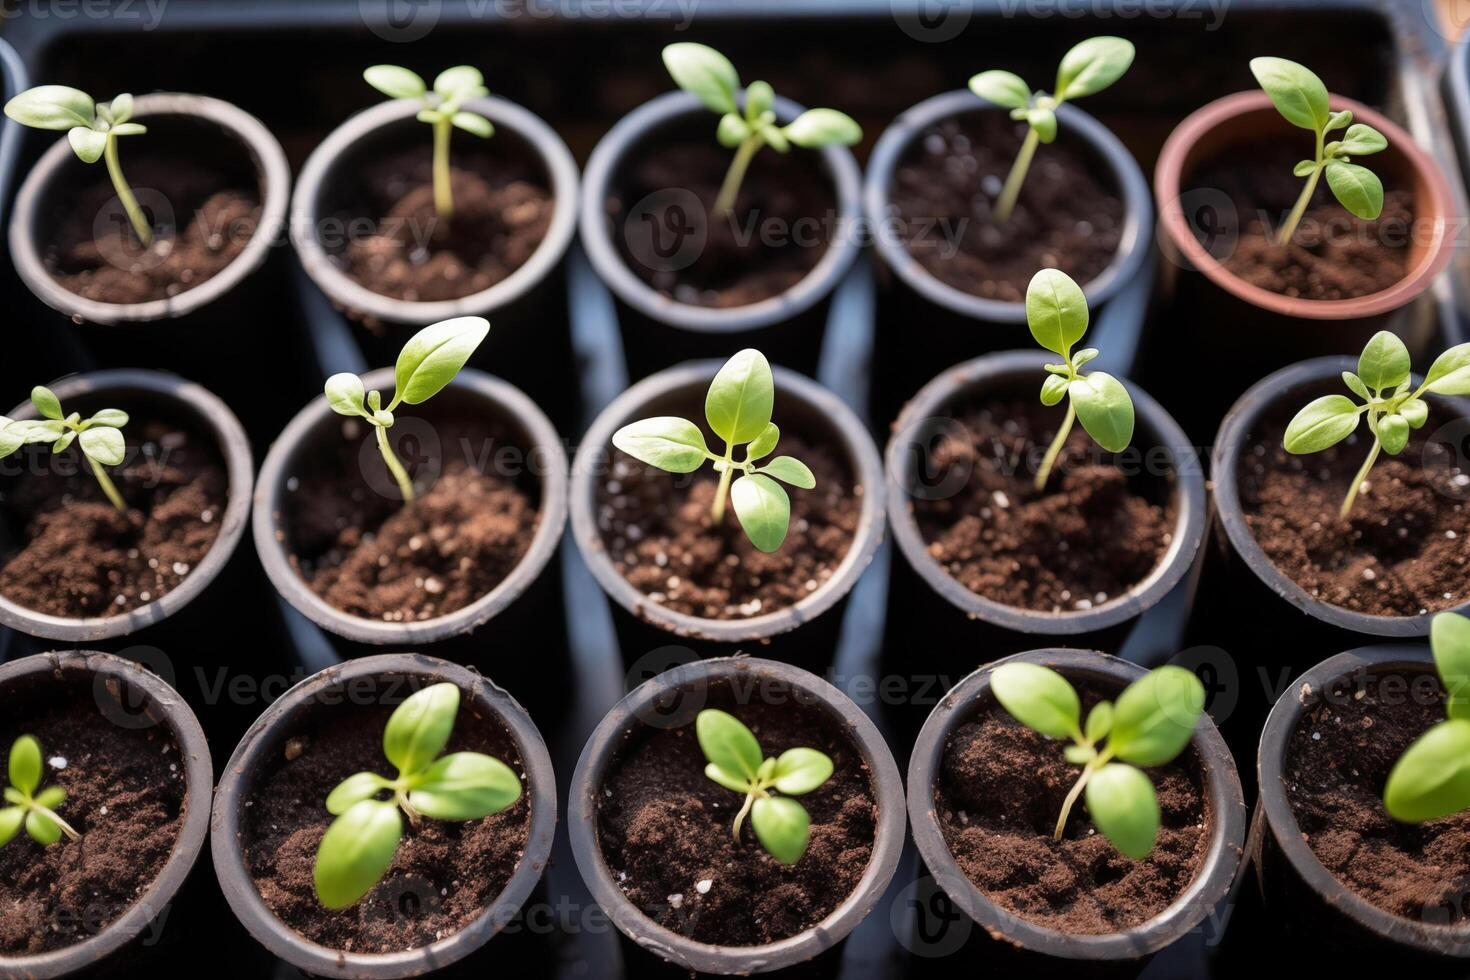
[
  {"x": 704, "y": 886},
  {"x": 57, "y": 762}
]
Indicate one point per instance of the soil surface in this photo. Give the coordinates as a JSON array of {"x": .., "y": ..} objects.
[
  {"x": 1001, "y": 789},
  {"x": 444, "y": 874},
  {"x": 656, "y": 528},
  {"x": 665, "y": 828},
  {"x": 125, "y": 795},
  {"x": 71, "y": 553},
  {"x": 1337, "y": 763},
  {"x": 1088, "y": 538},
  {"x": 1068, "y": 217},
  {"x": 1332, "y": 254}
]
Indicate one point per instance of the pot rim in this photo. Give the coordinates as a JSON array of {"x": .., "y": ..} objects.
[
  {"x": 342, "y": 289},
  {"x": 198, "y": 791},
  {"x": 1169, "y": 176},
  {"x": 268, "y": 522},
  {"x": 234, "y": 451},
  {"x": 1212, "y": 880},
  {"x": 1230, "y": 444},
  {"x": 1138, "y": 210},
  {"x": 602, "y": 168},
  {"x": 602, "y": 747},
  {"x": 593, "y": 454},
  {"x": 274, "y": 177},
  {"x": 283, "y": 941},
  {"x": 1188, "y": 494}
]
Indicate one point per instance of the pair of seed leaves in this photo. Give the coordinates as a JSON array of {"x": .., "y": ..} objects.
[
  {"x": 29, "y": 808},
  {"x": 1056, "y": 312},
  {"x": 426, "y": 364},
  {"x": 99, "y": 436},
  {"x": 1432, "y": 778},
  {"x": 1088, "y": 68},
  {"x": 88, "y": 125},
  {"x": 445, "y": 102}
]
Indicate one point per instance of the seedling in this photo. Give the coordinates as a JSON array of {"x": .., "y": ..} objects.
[
  {"x": 1302, "y": 100},
  {"x": 706, "y": 73},
  {"x": 1088, "y": 68},
  {"x": 738, "y": 409},
  {"x": 36, "y": 811},
  {"x": 1056, "y": 312},
  {"x": 1149, "y": 724},
  {"x": 1392, "y": 406},
  {"x": 99, "y": 436},
  {"x": 359, "y": 846},
  {"x": 427, "y": 363},
  {"x": 781, "y": 824},
  {"x": 1432, "y": 777},
  {"x": 443, "y": 109},
  {"x": 92, "y": 129}
]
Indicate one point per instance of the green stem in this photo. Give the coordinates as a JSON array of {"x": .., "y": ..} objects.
[
  {"x": 107, "y": 485},
  {"x": 401, "y": 798},
  {"x": 1352, "y": 494},
  {"x": 1076, "y": 791},
  {"x": 443, "y": 196},
  {"x": 66, "y": 828},
  {"x": 1009, "y": 194},
  {"x": 125, "y": 194},
  {"x": 717, "y": 512},
  {"x": 1295, "y": 218},
  {"x": 730, "y": 189},
  {"x": 405, "y": 485},
  {"x": 740, "y": 817},
  {"x": 1050, "y": 459}
]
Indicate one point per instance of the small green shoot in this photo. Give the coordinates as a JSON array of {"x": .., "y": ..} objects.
[
  {"x": 781, "y": 824},
  {"x": 100, "y": 436},
  {"x": 1150, "y": 723},
  {"x": 1432, "y": 777},
  {"x": 35, "y": 811}
]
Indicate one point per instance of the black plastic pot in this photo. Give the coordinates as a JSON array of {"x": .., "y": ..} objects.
[
  {"x": 1011, "y": 943},
  {"x": 673, "y": 698},
  {"x": 376, "y": 680}
]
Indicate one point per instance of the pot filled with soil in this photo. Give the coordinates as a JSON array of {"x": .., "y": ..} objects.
[
  {"x": 121, "y": 762},
  {"x": 652, "y": 833},
  {"x": 446, "y": 883}
]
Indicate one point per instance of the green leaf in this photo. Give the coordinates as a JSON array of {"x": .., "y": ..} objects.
[
  {"x": 121, "y": 109},
  {"x": 789, "y": 469},
  {"x": 764, "y": 510},
  {"x": 1304, "y": 168},
  {"x": 1083, "y": 356},
  {"x": 1079, "y": 755},
  {"x": 1099, "y": 721},
  {"x": 782, "y": 826},
  {"x": 1122, "y": 804},
  {"x": 1450, "y": 372},
  {"x": 419, "y": 727},
  {"x": 87, "y": 144},
  {"x": 52, "y": 107},
  {"x": 776, "y": 137},
  {"x": 727, "y": 743},
  {"x": 1039, "y": 698},
  {"x": 1393, "y": 432},
  {"x": 1105, "y": 410},
  {"x": 1384, "y": 362},
  {"x": 455, "y": 85},
  {"x": 1360, "y": 140},
  {"x": 1297, "y": 93},
  {"x": 1432, "y": 777},
  {"x": 129, "y": 129},
  {"x": 51, "y": 797},
  {"x": 1056, "y": 310},
  {"x": 353, "y": 790},
  {"x": 105, "y": 445},
  {"x": 356, "y": 851},
  {"x": 434, "y": 355},
  {"x": 114, "y": 417},
  {"x": 465, "y": 786},
  {"x": 11, "y": 820},
  {"x": 732, "y": 130},
  {"x": 761, "y": 446},
  {"x": 1155, "y": 716},
  {"x": 472, "y": 123},
  {"x": 1337, "y": 120},
  {"x": 1001, "y": 88},
  {"x": 823, "y": 127},
  {"x": 672, "y": 444},
  {"x": 741, "y": 398},
  {"x": 25, "y": 764},
  {"x": 43, "y": 829},
  {"x": 760, "y": 98},
  {"x": 702, "y": 70},
  {"x": 1324, "y": 422},
  {"x": 46, "y": 403},
  {"x": 395, "y": 82},
  {"x": 1356, "y": 384},
  {"x": 11, "y": 437},
  {"x": 345, "y": 394},
  {"x": 1356, "y": 188},
  {"x": 1092, "y": 66},
  {"x": 13, "y": 795},
  {"x": 727, "y": 780},
  {"x": 1449, "y": 638},
  {"x": 1044, "y": 122},
  {"x": 1416, "y": 411},
  {"x": 61, "y": 445},
  {"x": 1053, "y": 389},
  {"x": 800, "y": 771}
]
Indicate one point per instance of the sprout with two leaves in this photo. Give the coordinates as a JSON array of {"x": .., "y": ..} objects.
[
  {"x": 100, "y": 436},
  {"x": 1432, "y": 778},
  {"x": 28, "y": 808}
]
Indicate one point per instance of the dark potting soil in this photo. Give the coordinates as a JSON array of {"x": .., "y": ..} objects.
[
  {"x": 125, "y": 795},
  {"x": 502, "y": 209},
  {"x": 661, "y": 210},
  {"x": 444, "y": 874},
  {"x": 1332, "y": 255},
  {"x": 1088, "y": 538},
  {"x": 73, "y": 554},
  {"x": 1403, "y": 550},
  {"x": 207, "y": 224},
  {"x": 1336, "y": 766},
  {"x": 665, "y": 828},
  {"x": 1068, "y": 216},
  {"x": 656, "y": 528},
  {"x": 1001, "y": 789}
]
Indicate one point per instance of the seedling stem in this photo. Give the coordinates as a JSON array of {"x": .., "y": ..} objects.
[
  {"x": 1012, "y": 189},
  {"x": 725, "y": 203}
]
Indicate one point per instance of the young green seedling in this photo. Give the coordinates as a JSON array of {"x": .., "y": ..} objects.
[
  {"x": 359, "y": 846},
  {"x": 36, "y": 811},
  {"x": 1088, "y": 68},
  {"x": 1056, "y": 312},
  {"x": 427, "y": 363},
  {"x": 706, "y": 73},
  {"x": 443, "y": 109},
  {"x": 92, "y": 129},
  {"x": 738, "y": 409},
  {"x": 1432, "y": 777},
  {"x": 1302, "y": 100},
  {"x": 1150, "y": 723},
  {"x": 781, "y": 824},
  {"x": 100, "y": 436},
  {"x": 1392, "y": 406}
]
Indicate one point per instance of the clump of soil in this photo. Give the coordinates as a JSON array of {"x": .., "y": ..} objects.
[
  {"x": 73, "y": 554},
  {"x": 1001, "y": 789},
  {"x": 1068, "y": 216},
  {"x": 656, "y": 528},
  {"x": 665, "y": 828},
  {"x": 1088, "y": 538},
  {"x": 444, "y": 874},
  {"x": 125, "y": 795},
  {"x": 1332, "y": 255},
  {"x": 1337, "y": 762}
]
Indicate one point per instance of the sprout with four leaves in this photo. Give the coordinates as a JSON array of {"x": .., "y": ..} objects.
[
  {"x": 1432, "y": 777},
  {"x": 100, "y": 436},
  {"x": 35, "y": 811}
]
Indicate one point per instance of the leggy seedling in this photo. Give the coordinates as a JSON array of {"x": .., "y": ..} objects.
[
  {"x": 738, "y": 409},
  {"x": 1056, "y": 312},
  {"x": 359, "y": 846},
  {"x": 1087, "y": 69},
  {"x": 428, "y": 362},
  {"x": 92, "y": 129},
  {"x": 1302, "y": 100},
  {"x": 1432, "y": 777},
  {"x": 709, "y": 75},
  {"x": 1150, "y": 723},
  {"x": 443, "y": 109},
  {"x": 1392, "y": 407},
  {"x": 35, "y": 811},
  {"x": 781, "y": 824},
  {"x": 99, "y": 436}
]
